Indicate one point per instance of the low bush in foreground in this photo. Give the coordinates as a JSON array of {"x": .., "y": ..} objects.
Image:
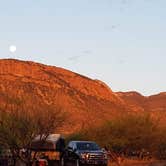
[{"x": 129, "y": 134}]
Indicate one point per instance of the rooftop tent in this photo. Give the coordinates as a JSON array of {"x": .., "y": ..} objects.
[{"x": 53, "y": 142}]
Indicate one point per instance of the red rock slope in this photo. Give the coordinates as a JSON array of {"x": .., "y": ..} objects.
[{"x": 85, "y": 100}]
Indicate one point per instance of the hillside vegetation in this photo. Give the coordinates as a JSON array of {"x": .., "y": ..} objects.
[{"x": 131, "y": 134}]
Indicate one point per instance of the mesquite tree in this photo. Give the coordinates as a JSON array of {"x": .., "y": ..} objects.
[{"x": 20, "y": 124}]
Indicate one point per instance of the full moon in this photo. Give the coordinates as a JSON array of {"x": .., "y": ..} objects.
[{"x": 12, "y": 48}]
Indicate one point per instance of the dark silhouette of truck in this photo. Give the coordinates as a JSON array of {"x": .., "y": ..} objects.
[{"x": 83, "y": 153}]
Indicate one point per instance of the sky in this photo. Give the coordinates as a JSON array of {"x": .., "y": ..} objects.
[{"x": 121, "y": 42}]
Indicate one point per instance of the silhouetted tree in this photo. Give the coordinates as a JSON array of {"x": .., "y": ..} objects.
[{"x": 20, "y": 124}]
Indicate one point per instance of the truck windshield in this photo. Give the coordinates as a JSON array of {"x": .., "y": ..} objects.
[{"x": 87, "y": 146}]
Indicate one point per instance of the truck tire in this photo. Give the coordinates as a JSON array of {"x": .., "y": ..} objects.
[
  {"x": 62, "y": 161},
  {"x": 77, "y": 162},
  {"x": 105, "y": 165}
]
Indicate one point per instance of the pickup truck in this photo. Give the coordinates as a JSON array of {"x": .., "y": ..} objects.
[{"x": 80, "y": 153}]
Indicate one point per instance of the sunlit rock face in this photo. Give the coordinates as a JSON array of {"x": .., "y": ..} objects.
[
  {"x": 137, "y": 102},
  {"x": 85, "y": 101}
]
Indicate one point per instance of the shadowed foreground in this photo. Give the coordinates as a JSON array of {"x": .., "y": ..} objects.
[{"x": 140, "y": 163}]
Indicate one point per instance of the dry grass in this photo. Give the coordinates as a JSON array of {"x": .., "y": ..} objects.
[{"x": 128, "y": 162}]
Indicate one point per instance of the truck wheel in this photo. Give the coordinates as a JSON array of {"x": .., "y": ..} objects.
[
  {"x": 77, "y": 162},
  {"x": 62, "y": 161}
]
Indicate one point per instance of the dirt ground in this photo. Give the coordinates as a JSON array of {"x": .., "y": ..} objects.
[{"x": 140, "y": 163}]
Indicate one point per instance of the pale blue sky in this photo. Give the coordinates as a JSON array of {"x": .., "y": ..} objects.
[{"x": 121, "y": 42}]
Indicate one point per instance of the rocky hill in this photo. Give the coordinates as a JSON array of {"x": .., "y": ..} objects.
[
  {"x": 85, "y": 101},
  {"x": 137, "y": 102}
]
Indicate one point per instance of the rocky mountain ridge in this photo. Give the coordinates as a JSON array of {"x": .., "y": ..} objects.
[{"x": 86, "y": 101}]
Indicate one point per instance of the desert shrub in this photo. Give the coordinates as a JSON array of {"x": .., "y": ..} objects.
[
  {"x": 76, "y": 136},
  {"x": 128, "y": 133}
]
